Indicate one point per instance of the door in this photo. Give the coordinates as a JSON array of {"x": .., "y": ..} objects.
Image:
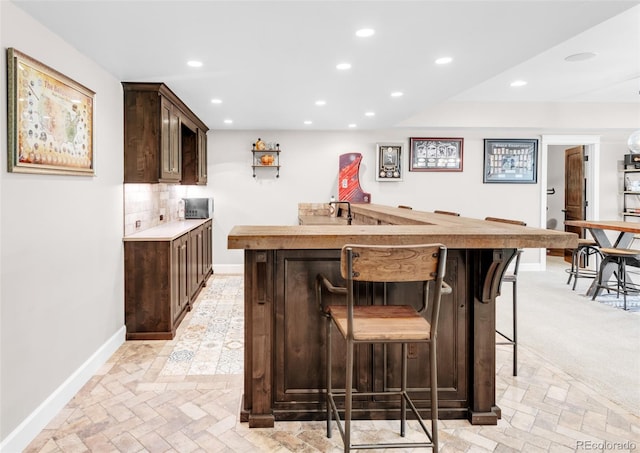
[{"x": 574, "y": 191}]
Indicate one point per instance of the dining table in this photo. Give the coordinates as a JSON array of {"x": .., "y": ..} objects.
[{"x": 623, "y": 235}]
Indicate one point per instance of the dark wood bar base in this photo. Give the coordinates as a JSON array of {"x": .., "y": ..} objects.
[{"x": 284, "y": 366}]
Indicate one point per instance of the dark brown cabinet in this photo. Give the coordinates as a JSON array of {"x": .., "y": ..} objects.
[
  {"x": 164, "y": 141},
  {"x": 299, "y": 339},
  {"x": 163, "y": 279}
]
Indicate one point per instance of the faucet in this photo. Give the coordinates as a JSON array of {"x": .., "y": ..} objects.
[{"x": 349, "y": 218}]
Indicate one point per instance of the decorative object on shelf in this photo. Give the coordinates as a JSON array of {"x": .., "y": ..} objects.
[
  {"x": 266, "y": 155},
  {"x": 631, "y": 187},
  {"x": 349, "y": 179},
  {"x": 50, "y": 120},
  {"x": 435, "y": 154},
  {"x": 389, "y": 162},
  {"x": 510, "y": 161},
  {"x": 634, "y": 142}
]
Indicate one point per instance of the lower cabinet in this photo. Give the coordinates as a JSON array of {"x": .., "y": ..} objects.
[{"x": 162, "y": 280}]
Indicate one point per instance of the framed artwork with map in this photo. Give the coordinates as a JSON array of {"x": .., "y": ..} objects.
[{"x": 50, "y": 120}]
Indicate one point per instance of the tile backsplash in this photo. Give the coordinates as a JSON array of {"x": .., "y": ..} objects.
[{"x": 147, "y": 202}]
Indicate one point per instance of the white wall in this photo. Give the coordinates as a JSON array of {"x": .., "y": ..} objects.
[
  {"x": 309, "y": 174},
  {"x": 61, "y": 254}
]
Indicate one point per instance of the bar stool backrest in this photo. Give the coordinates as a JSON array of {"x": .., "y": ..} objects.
[{"x": 401, "y": 263}]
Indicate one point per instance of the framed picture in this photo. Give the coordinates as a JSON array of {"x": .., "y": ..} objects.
[
  {"x": 389, "y": 162},
  {"x": 50, "y": 120},
  {"x": 510, "y": 161},
  {"x": 435, "y": 154}
]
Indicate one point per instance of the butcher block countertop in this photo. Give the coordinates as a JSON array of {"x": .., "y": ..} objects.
[
  {"x": 167, "y": 231},
  {"x": 398, "y": 226}
]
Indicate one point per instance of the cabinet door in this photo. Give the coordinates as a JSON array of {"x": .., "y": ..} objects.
[
  {"x": 195, "y": 260},
  {"x": 299, "y": 330},
  {"x": 207, "y": 243},
  {"x": 202, "y": 157},
  {"x": 170, "y": 159},
  {"x": 180, "y": 288}
]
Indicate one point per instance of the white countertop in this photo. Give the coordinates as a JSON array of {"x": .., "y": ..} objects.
[{"x": 167, "y": 231}]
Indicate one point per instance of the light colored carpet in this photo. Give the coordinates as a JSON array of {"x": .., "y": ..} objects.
[{"x": 593, "y": 341}]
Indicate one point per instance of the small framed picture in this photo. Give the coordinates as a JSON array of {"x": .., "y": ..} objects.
[
  {"x": 510, "y": 161},
  {"x": 436, "y": 154},
  {"x": 389, "y": 162}
]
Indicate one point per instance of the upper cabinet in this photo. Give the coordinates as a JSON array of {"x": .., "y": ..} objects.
[{"x": 164, "y": 141}]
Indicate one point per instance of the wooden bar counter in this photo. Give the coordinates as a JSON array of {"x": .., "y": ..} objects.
[{"x": 284, "y": 328}]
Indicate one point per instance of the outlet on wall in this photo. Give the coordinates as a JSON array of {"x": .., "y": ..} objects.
[{"x": 138, "y": 223}]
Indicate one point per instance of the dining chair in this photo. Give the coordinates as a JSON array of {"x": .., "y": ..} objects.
[
  {"x": 621, "y": 257},
  {"x": 580, "y": 261}
]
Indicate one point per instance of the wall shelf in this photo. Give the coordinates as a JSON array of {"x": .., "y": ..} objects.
[{"x": 266, "y": 158}]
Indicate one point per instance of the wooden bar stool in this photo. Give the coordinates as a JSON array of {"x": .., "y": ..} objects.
[
  {"x": 621, "y": 257},
  {"x": 580, "y": 257},
  {"x": 384, "y": 324},
  {"x": 437, "y": 211},
  {"x": 511, "y": 277}
]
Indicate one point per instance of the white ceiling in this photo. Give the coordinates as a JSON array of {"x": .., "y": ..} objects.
[{"x": 269, "y": 61}]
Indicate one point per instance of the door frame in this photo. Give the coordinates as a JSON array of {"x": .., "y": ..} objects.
[{"x": 591, "y": 145}]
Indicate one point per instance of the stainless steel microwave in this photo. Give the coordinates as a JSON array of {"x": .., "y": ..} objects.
[{"x": 198, "y": 208}]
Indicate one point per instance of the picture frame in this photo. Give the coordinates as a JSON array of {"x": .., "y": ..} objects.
[
  {"x": 50, "y": 120},
  {"x": 389, "y": 165},
  {"x": 436, "y": 154},
  {"x": 513, "y": 161}
]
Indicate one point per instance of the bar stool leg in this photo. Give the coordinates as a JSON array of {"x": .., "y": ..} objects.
[
  {"x": 573, "y": 267},
  {"x": 434, "y": 393},
  {"x": 328, "y": 377},
  {"x": 624, "y": 280},
  {"x": 348, "y": 395},
  {"x": 403, "y": 389},
  {"x": 515, "y": 327}
]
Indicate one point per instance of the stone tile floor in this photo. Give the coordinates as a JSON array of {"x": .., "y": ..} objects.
[{"x": 184, "y": 396}]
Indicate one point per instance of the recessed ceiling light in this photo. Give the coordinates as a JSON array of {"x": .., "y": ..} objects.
[
  {"x": 308, "y": 122},
  {"x": 365, "y": 32},
  {"x": 580, "y": 56},
  {"x": 216, "y": 101},
  {"x": 518, "y": 83},
  {"x": 343, "y": 66},
  {"x": 444, "y": 60},
  {"x": 228, "y": 121},
  {"x": 370, "y": 114},
  {"x": 397, "y": 94},
  {"x": 321, "y": 102},
  {"x": 352, "y": 125},
  {"x": 194, "y": 63}
]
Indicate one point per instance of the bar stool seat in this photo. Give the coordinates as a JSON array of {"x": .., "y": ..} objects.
[
  {"x": 621, "y": 257},
  {"x": 585, "y": 249},
  {"x": 381, "y": 321}
]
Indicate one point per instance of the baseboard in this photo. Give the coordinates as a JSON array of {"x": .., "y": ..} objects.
[
  {"x": 30, "y": 427},
  {"x": 228, "y": 268}
]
